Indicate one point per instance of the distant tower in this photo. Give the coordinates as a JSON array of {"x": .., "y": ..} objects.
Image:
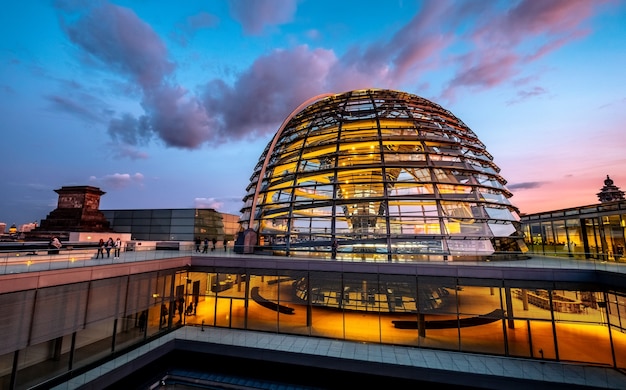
[{"x": 610, "y": 192}]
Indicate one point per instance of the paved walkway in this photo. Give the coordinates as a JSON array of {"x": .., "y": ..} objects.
[{"x": 432, "y": 365}]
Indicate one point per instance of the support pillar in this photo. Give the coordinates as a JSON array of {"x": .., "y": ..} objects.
[{"x": 509, "y": 308}]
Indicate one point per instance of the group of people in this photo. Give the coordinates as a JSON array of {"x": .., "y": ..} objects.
[
  {"x": 205, "y": 244},
  {"x": 107, "y": 246},
  {"x": 179, "y": 306}
]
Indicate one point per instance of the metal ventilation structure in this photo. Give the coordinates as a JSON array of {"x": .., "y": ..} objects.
[{"x": 379, "y": 175}]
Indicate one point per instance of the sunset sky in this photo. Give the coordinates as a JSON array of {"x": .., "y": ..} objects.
[{"x": 169, "y": 104}]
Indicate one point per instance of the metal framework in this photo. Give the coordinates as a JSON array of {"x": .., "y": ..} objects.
[{"x": 380, "y": 174}]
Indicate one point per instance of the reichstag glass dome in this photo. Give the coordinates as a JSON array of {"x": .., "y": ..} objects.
[{"x": 379, "y": 175}]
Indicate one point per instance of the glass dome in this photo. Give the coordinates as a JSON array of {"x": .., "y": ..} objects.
[{"x": 379, "y": 175}]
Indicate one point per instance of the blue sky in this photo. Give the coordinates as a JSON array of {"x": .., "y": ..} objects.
[{"x": 169, "y": 104}]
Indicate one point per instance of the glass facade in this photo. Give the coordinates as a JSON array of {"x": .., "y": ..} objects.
[
  {"x": 381, "y": 175},
  {"x": 174, "y": 224},
  {"x": 587, "y": 232},
  {"x": 73, "y": 326}
]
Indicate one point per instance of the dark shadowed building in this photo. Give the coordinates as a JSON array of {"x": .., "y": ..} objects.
[{"x": 77, "y": 211}]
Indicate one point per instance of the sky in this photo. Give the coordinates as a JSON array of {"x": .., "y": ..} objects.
[{"x": 169, "y": 104}]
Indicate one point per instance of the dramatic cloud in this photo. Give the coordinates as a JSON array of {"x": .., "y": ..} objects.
[
  {"x": 405, "y": 57},
  {"x": 130, "y": 130},
  {"x": 475, "y": 45},
  {"x": 501, "y": 40},
  {"x": 268, "y": 91},
  {"x": 255, "y": 15},
  {"x": 120, "y": 41}
]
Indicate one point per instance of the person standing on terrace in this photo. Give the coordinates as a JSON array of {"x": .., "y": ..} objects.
[{"x": 100, "y": 249}]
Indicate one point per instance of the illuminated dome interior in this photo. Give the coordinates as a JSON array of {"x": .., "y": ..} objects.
[{"x": 386, "y": 175}]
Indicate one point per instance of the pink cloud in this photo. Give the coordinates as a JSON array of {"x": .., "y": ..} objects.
[
  {"x": 255, "y": 15},
  {"x": 404, "y": 57},
  {"x": 493, "y": 48},
  {"x": 266, "y": 93},
  {"x": 504, "y": 43},
  {"x": 531, "y": 17},
  {"x": 118, "y": 180},
  {"x": 208, "y": 203},
  {"x": 121, "y": 42}
]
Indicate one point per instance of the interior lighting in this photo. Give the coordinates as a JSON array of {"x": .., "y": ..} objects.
[{"x": 381, "y": 200}]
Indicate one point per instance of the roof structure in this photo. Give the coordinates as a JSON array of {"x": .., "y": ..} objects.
[{"x": 381, "y": 174}]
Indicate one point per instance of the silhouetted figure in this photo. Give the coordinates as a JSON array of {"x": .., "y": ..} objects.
[
  {"x": 142, "y": 321},
  {"x": 205, "y": 248},
  {"x": 54, "y": 246},
  {"x": 181, "y": 307},
  {"x": 214, "y": 243},
  {"x": 100, "y": 249},
  {"x": 108, "y": 245},
  {"x": 197, "y": 242},
  {"x": 163, "y": 314}
]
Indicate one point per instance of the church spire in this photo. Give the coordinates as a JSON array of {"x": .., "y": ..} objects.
[{"x": 610, "y": 192}]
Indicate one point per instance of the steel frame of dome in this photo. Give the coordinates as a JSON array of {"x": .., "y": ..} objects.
[{"x": 383, "y": 175}]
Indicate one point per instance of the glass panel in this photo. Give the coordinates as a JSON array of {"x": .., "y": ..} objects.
[
  {"x": 574, "y": 238},
  {"x": 530, "y": 303},
  {"x": 223, "y": 312},
  {"x": 293, "y": 302},
  {"x": 570, "y": 335},
  {"x": 438, "y": 313},
  {"x": 616, "y": 308},
  {"x": 518, "y": 337},
  {"x": 593, "y": 238},
  {"x": 542, "y": 346},
  {"x": 613, "y": 237},
  {"x": 326, "y": 299},
  {"x": 165, "y": 213},
  {"x": 158, "y": 237},
  {"x": 93, "y": 342},
  {"x": 43, "y": 361},
  {"x": 362, "y": 298},
  {"x": 481, "y": 319},
  {"x": 263, "y": 311},
  {"x": 399, "y": 305},
  {"x": 131, "y": 329},
  {"x": 183, "y": 213}
]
